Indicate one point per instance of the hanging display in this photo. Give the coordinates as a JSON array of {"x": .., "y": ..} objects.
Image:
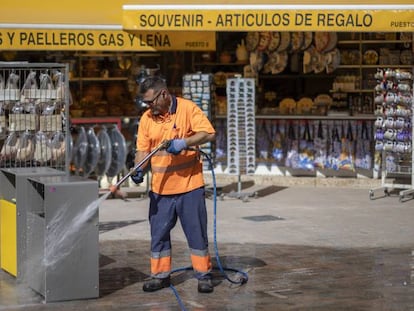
[
  {"x": 33, "y": 114},
  {"x": 241, "y": 128},
  {"x": 394, "y": 130}
]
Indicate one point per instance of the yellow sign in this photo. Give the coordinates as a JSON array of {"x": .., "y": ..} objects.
[
  {"x": 105, "y": 40},
  {"x": 267, "y": 20}
]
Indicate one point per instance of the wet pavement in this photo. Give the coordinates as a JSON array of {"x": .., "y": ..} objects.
[{"x": 304, "y": 248}]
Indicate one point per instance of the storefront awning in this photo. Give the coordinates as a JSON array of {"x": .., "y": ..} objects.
[
  {"x": 86, "y": 25},
  {"x": 110, "y": 15},
  {"x": 105, "y": 40},
  {"x": 133, "y": 25},
  {"x": 270, "y": 17}
]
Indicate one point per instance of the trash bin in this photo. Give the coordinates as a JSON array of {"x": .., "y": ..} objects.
[
  {"x": 63, "y": 237},
  {"x": 13, "y": 210}
]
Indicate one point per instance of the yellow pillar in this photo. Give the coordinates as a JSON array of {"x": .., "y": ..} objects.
[{"x": 8, "y": 237}]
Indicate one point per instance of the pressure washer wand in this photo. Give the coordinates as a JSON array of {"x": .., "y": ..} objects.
[{"x": 163, "y": 145}]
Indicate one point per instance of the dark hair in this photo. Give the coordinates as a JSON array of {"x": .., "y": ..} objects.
[{"x": 156, "y": 83}]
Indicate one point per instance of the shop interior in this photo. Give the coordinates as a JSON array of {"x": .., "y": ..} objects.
[{"x": 319, "y": 97}]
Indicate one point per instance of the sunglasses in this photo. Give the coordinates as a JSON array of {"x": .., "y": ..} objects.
[{"x": 149, "y": 102}]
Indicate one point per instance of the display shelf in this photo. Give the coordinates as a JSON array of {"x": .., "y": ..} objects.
[
  {"x": 306, "y": 117},
  {"x": 104, "y": 69},
  {"x": 352, "y": 91},
  {"x": 394, "y": 133},
  {"x": 296, "y": 76},
  {"x": 98, "y": 120},
  {"x": 388, "y": 48},
  {"x": 198, "y": 64},
  {"x": 373, "y": 66},
  {"x": 357, "y": 41},
  {"x": 98, "y": 79}
]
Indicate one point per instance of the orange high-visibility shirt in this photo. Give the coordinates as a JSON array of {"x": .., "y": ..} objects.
[{"x": 174, "y": 174}]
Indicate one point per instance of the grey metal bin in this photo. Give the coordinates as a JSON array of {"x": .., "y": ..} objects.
[
  {"x": 13, "y": 188},
  {"x": 63, "y": 237}
]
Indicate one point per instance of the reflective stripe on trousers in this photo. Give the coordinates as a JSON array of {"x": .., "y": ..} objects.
[{"x": 164, "y": 211}]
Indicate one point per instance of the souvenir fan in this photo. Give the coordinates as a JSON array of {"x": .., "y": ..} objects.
[
  {"x": 363, "y": 158},
  {"x": 278, "y": 142},
  {"x": 296, "y": 41},
  {"x": 221, "y": 139},
  {"x": 285, "y": 38},
  {"x": 346, "y": 158},
  {"x": 332, "y": 160},
  {"x": 25, "y": 147},
  {"x": 264, "y": 40},
  {"x": 292, "y": 144},
  {"x": 333, "y": 40},
  {"x": 263, "y": 139},
  {"x": 105, "y": 153},
  {"x": 276, "y": 63},
  {"x": 318, "y": 62},
  {"x": 308, "y": 59},
  {"x": 320, "y": 145},
  {"x": 256, "y": 61},
  {"x": 333, "y": 60},
  {"x": 321, "y": 40},
  {"x": 93, "y": 152},
  {"x": 325, "y": 41},
  {"x": 119, "y": 152},
  {"x": 307, "y": 40},
  {"x": 274, "y": 43},
  {"x": 80, "y": 149},
  {"x": 43, "y": 150},
  {"x": 252, "y": 40},
  {"x": 306, "y": 150}
]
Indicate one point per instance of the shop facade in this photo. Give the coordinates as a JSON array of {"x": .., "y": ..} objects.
[{"x": 316, "y": 104}]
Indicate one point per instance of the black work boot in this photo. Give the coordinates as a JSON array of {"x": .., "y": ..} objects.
[
  {"x": 156, "y": 284},
  {"x": 205, "y": 286}
]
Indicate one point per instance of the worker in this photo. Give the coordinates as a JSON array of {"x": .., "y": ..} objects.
[{"x": 177, "y": 184}]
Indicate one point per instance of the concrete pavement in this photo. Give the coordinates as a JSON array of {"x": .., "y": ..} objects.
[
  {"x": 303, "y": 247},
  {"x": 317, "y": 216}
]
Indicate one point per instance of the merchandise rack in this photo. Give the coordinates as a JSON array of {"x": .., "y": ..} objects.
[
  {"x": 241, "y": 131},
  {"x": 34, "y": 110},
  {"x": 395, "y": 132}
]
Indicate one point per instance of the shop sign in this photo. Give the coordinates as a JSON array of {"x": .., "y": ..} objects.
[
  {"x": 105, "y": 40},
  {"x": 204, "y": 18}
]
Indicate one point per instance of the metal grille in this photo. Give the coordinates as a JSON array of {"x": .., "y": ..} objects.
[{"x": 34, "y": 102}]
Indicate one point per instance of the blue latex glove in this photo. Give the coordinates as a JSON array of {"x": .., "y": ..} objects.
[
  {"x": 176, "y": 146},
  {"x": 138, "y": 176}
]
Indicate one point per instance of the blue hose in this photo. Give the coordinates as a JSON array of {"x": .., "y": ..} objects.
[{"x": 244, "y": 276}]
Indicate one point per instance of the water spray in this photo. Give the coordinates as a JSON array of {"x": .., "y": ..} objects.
[{"x": 61, "y": 241}]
